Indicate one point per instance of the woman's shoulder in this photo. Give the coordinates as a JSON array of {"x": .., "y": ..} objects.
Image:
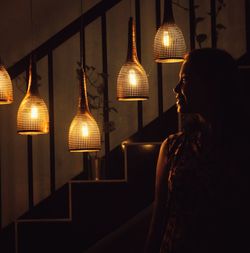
[{"x": 173, "y": 141}]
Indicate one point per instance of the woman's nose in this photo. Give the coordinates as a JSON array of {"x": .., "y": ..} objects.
[{"x": 177, "y": 88}]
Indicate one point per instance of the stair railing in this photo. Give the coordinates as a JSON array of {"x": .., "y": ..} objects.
[{"x": 46, "y": 50}]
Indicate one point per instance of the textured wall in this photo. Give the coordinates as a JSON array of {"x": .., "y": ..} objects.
[{"x": 50, "y": 17}]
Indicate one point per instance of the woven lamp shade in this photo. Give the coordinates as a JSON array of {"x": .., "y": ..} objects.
[
  {"x": 84, "y": 134},
  {"x": 32, "y": 115},
  {"x": 132, "y": 82},
  {"x": 169, "y": 43},
  {"x": 6, "y": 90}
]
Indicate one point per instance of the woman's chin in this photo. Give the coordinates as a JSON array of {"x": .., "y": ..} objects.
[{"x": 181, "y": 108}]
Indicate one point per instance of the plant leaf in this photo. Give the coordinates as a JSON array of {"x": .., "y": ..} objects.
[
  {"x": 199, "y": 19},
  {"x": 100, "y": 90},
  {"x": 220, "y": 26},
  {"x": 201, "y": 37},
  {"x": 103, "y": 75},
  {"x": 113, "y": 109},
  {"x": 108, "y": 127}
]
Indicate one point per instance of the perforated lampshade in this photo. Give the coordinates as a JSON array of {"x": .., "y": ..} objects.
[
  {"x": 32, "y": 115},
  {"x": 6, "y": 89},
  {"x": 132, "y": 82},
  {"x": 84, "y": 134},
  {"x": 169, "y": 43}
]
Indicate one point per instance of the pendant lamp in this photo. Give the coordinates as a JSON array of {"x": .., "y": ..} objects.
[
  {"x": 84, "y": 134},
  {"x": 6, "y": 89},
  {"x": 132, "y": 83},
  {"x": 169, "y": 43},
  {"x": 32, "y": 115}
]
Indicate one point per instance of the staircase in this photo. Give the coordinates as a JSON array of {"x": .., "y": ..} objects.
[
  {"x": 85, "y": 215},
  {"x": 82, "y": 212}
]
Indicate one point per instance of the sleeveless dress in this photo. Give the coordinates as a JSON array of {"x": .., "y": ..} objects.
[{"x": 196, "y": 195}]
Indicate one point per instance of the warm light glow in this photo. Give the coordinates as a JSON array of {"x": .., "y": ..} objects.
[
  {"x": 148, "y": 146},
  {"x": 32, "y": 116},
  {"x": 6, "y": 89},
  {"x": 132, "y": 77},
  {"x": 34, "y": 112},
  {"x": 124, "y": 144},
  {"x": 84, "y": 134},
  {"x": 169, "y": 44},
  {"x": 166, "y": 39},
  {"x": 85, "y": 130},
  {"x": 132, "y": 81}
]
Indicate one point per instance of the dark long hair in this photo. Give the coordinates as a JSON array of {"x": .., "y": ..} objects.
[{"x": 220, "y": 68}]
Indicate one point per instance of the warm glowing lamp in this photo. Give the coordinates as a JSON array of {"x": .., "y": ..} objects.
[
  {"x": 32, "y": 115},
  {"x": 6, "y": 90},
  {"x": 132, "y": 83},
  {"x": 169, "y": 43},
  {"x": 84, "y": 134}
]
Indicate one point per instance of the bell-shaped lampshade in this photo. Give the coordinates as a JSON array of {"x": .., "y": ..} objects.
[
  {"x": 6, "y": 89},
  {"x": 132, "y": 82},
  {"x": 169, "y": 43},
  {"x": 32, "y": 115},
  {"x": 84, "y": 134}
]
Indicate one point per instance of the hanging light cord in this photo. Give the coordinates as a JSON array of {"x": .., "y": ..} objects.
[
  {"x": 130, "y": 7},
  {"x": 31, "y": 25},
  {"x": 81, "y": 38}
]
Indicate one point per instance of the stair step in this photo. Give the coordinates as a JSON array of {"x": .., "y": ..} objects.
[
  {"x": 114, "y": 167},
  {"x": 97, "y": 207}
]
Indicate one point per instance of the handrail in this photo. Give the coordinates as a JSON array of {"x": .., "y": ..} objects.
[
  {"x": 46, "y": 50},
  {"x": 60, "y": 37}
]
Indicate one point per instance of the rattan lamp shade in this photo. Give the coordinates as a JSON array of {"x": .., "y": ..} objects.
[
  {"x": 6, "y": 90},
  {"x": 169, "y": 43},
  {"x": 32, "y": 115},
  {"x": 132, "y": 82},
  {"x": 84, "y": 134}
]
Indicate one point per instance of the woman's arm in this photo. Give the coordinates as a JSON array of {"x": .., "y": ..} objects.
[{"x": 158, "y": 220}]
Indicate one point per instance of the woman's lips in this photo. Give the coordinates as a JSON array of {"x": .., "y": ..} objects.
[
  {"x": 179, "y": 100},
  {"x": 180, "y": 103}
]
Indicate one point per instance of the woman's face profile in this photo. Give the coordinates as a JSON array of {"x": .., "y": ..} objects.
[{"x": 189, "y": 91}]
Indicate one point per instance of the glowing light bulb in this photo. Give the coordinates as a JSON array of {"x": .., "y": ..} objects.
[
  {"x": 166, "y": 39},
  {"x": 34, "y": 112},
  {"x": 132, "y": 77},
  {"x": 85, "y": 130}
]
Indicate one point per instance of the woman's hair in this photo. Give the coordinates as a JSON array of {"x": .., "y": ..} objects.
[
  {"x": 214, "y": 64},
  {"x": 217, "y": 68}
]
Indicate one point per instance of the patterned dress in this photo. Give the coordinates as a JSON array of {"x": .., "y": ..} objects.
[{"x": 197, "y": 195}]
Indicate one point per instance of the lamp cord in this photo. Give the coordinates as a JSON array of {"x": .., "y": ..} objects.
[
  {"x": 130, "y": 7},
  {"x": 31, "y": 25},
  {"x": 81, "y": 38}
]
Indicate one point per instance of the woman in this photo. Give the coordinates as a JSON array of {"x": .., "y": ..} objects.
[{"x": 201, "y": 183}]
